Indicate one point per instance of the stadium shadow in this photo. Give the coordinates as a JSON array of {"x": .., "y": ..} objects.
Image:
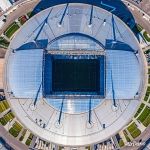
[
  {"x": 117, "y": 45},
  {"x": 40, "y": 44}
]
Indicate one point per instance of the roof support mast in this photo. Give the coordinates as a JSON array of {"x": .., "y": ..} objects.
[
  {"x": 61, "y": 108},
  {"x": 62, "y": 18},
  {"x": 113, "y": 93},
  {"x": 91, "y": 17},
  {"x": 90, "y": 112}
]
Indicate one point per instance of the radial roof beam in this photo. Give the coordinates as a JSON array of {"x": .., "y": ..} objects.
[
  {"x": 90, "y": 112},
  {"x": 37, "y": 94},
  {"x": 44, "y": 23},
  {"x": 113, "y": 91},
  {"x": 60, "y": 114},
  {"x": 91, "y": 16},
  {"x": 113, "y": 28},
  {"x": 62, "y": 18}
]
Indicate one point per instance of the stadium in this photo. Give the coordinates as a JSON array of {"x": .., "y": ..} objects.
[{"x": 74, "y": 74}]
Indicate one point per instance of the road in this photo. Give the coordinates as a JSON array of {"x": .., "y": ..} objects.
[
  {"x": 17, "y": 145},
  {"x": 138, "y": 16},
  {"x": 144, "y": 5}
]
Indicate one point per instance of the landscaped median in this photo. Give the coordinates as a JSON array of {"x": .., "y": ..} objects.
[{"x": 11, "y": 29}]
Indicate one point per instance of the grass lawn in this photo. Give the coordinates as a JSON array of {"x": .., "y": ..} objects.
[
  {"x": 88, "y": 147},
  {"x": 145, "y": 34},
  {"x": 147, "y": 94},
  {"x": 126, "y": 136},
  {"x": 146, "y": 98},
  {"x": 146, "y": 121},
  {"x": 3, "y": 106},
  {"x": 134, "y": 131},
  {"x": 9, "y": 116},
  {"x": 145, "y": 116},
  {"x": 28, "y": 142},
  {"x": 15, "y": 129},
  {"x": 60, "y": 148},
  {"x": 139, "y": 110},
  {"x": 23, "y": 134},
  {"x": 3, "y": 43},
  {"x": 6, "y": 104},
  {"x": 6, "y": 118},
  {"x": 121, "y": 143},
  {"x": 3, "y": 122},
  {"x": 11, "y": 30},
  {"x": 137, "y": 28},
  {"x": 132, "y": 127},
  {"x": 148, "y": 71}
]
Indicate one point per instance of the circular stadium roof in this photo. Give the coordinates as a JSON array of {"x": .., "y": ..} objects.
[{"x": 79, "y": 27}]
